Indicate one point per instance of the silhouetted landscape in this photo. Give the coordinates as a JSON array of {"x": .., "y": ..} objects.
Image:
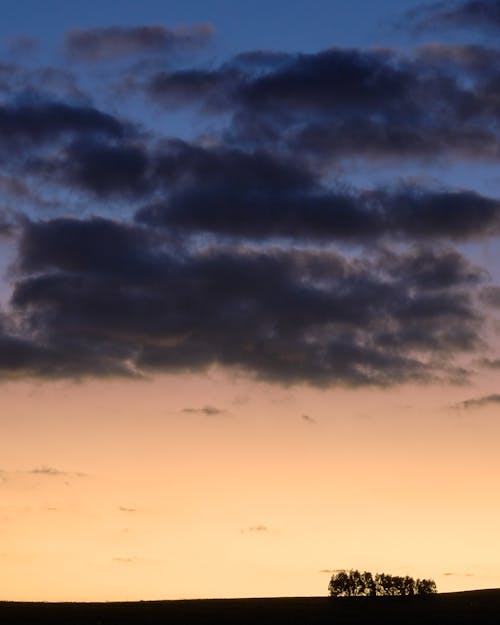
[{"x": 472, "y": 607}]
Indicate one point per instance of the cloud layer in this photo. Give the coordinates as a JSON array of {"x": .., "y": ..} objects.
[{"x": 246, "y": 246}]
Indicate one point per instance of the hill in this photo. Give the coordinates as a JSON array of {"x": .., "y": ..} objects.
[{"x": 471, "y": 608}]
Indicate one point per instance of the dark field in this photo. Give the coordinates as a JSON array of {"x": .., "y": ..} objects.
[{"x": 473, "y": 608}]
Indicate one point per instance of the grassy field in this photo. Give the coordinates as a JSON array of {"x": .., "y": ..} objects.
[{"x": 473, "y": 608}]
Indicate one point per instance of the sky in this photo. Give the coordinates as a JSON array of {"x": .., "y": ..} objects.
[{"x": 249, "y": 296}]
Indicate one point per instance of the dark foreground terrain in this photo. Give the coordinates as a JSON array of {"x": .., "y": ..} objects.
[{"x": 473, "y": 608}]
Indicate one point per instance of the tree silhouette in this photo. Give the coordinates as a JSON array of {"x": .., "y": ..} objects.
[
  {"x": 426, "y": 587},
  {"x": 355, "y": 584}
]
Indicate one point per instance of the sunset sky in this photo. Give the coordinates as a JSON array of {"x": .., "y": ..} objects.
[{"x": 249, "y": 296}]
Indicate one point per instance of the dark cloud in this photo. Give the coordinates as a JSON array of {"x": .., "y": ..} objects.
[
  {"x": 478, "y": 402},
  {"x": 482, "y": 14},
  {"x": 376, "y": 140},
  {"x": 330, "y": 83},
  {"x": 244, "y": 249},
  {"x": 92, "y": 246},
  {"x": 211, "y": 90},
  {"x": 96, "y": 297},
  {"x": 99, "y": 166},
  {"x": 208, "y": 411},
  {"x": 366, "y": 104},
  {"x": 334, "y": 78},
  {"x": 41, "y": 122},
  {"x": 107, "y": 169},
  {"x": 114, "y": 42},
  {"x": 256, "y": 195},
  {"x": 36, "y": 357},
  {"x": 186, "y": 164},
  {"x": 370, "y": 104}
]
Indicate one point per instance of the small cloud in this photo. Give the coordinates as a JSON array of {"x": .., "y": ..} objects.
[
  {"x": 477, "y": 402},
  {"x": 209, "y": 411},
  {"x": 451, "y": 574},
  {"x": 309, "y": 420},
  {"x": 53, "y": 472},
  {"x": 330, "y": 571},
  {"x": 46, "y": 470},
  {"x": 125, "y": 509},
  {"x": 123, "y": 560},
  {"x": 255, "y": 529},
  {"x": 116, "y": 42}
]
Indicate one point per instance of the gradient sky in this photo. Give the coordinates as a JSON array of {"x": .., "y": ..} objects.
[{"x": 250, "y": 294}]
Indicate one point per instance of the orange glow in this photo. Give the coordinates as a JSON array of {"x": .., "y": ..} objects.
[{"x": 115, "y": 491}]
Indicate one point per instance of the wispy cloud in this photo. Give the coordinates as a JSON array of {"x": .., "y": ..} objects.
[
  {"x": 478, "y": 402},
  {"x": 115, "y": 42},
  {"x": 126, "y": 509},
  {"x": 464, "y": 14},
  {"x": 255, "y": 529},
  {"x": 209, "y": 411},
  {"x": 309, "y": 420},
  {"x": 53, "y": 472},
  {"x": 42, "y": 471}
]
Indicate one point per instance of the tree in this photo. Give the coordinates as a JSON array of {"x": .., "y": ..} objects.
[
  {"x": 355, "y": 584},
  {"x": 426, "y": 587},
  {"x": 409, "y": 586},
  {"x": 340, "y": 584},
  {"x": 369, "y": 584}
]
